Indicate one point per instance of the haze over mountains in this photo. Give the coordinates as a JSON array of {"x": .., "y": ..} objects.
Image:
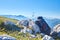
[
  {"x": 19, "y": 17},
  {"x": 51, "y": 22}
]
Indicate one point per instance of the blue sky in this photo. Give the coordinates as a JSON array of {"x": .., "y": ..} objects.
[{"x": 46, "y": 8}]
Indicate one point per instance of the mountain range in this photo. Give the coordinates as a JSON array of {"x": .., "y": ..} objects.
[
  {"x": 17, "y": 17},
  {"x": 51, "y": 22}
]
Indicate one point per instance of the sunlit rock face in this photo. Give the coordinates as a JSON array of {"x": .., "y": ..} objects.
[
  {"x": 46, "y": 37},
  {"x": 57, "y": 28},
  {"x": 34, "y": 27},
  {"x": 56, "y": 31}
]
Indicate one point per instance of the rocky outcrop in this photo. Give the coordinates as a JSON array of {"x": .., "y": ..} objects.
[
  {"x": 38, "y": 26},
  {"x": 43, "y": 26},
  {"x": 57, "y": 28},
  {"x": 30, "y": 27},
  {"x": 56, "y": 31}
]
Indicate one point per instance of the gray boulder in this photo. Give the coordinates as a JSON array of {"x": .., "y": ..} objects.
[
  {"x": 9, "y": 25},
  {"x": 23, "y": 23},
  {"x": 46, "y": 37},
  {"x": 7, "y": 22},
  {"x": 6, "y": 37},
  {"x": 26, "y": 30}
]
